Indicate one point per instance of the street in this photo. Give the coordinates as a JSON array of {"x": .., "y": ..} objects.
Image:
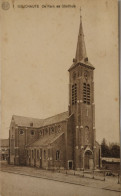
[{"x": 21, "y": 185}]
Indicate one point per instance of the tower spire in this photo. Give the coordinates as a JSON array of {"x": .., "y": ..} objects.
[{"x": 81, "y": 49}]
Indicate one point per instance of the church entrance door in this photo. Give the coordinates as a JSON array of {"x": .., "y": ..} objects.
[{"x": 88, "y": 160}]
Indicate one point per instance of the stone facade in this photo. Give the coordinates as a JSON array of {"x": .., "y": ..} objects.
[{"x": 66, "y": 140}]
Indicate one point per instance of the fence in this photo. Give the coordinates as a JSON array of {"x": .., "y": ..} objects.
[{"x": 102, "y": 175}]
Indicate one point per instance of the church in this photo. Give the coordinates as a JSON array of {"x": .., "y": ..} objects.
[{"x": 66, "y": 140}]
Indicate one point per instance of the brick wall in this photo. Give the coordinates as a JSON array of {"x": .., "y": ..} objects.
[
  {"x": 59, "y": 145},
  {"x": 70, "y": 139}
]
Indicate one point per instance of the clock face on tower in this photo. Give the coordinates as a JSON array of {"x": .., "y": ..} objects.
[{"x": 86, "y": 75}]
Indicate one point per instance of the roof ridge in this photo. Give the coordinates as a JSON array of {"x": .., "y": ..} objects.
[
  {"x": 55, "y": 115},
  {"x": 27, "y": 117},
  {"x": 39, "y": 118},
  {"x": 25, "y": 121}
]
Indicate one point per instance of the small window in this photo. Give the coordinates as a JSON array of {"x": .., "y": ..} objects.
[
  {"x": 43, "y": 132},
  {"x": 32, "y": 132},
  {"x": 37, "y": 154},
  {"x": 27, "y": 153},
  {"x": 46, "y": 131},
  {"x": 48, "y": 153},
  {"x": 32, "y": 154},
  {"x": 40, "y": 133},
  {"x": 44, "y": 154},
  {"x": 52, "y": 129},
  {"x": 57, "y": 155},
  {"x": 21, "y": 132},
  {"x": 59, "y": 128}
]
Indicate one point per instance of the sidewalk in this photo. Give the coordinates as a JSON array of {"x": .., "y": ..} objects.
[{"x": 110, "y": 183}]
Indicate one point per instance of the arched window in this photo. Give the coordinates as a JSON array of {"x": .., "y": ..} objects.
[
  {"x": 48, "y": 153},
  {"x": 32, "y": 154},
  {"x": 44, "y": 154},
  {"x": 57, "y": 155},
  {"x": 40, "y": 133},
  {"x": 37, "y": 154},
  {"x": 46, "y": 131},
  {"x": 52, "y": 129},
  {"x": 87, "y": 135},
  {"x": 43, "y": 131},
  {"x": 59, "y": 128},
  {"x": 27, "y": 153}
]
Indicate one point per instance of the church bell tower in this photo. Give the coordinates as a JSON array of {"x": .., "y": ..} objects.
[{"x": 81, "y": 104}]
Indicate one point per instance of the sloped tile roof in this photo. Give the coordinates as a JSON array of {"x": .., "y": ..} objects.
[
  {"x": 55, "y": 119},
  {"x": 26, "y": 121},
  {"x": 45, "y": 141}
]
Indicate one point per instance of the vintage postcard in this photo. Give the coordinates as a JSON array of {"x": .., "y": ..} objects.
[{"x": 59, "y": 98}]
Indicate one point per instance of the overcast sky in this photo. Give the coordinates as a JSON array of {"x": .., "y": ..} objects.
[{"x": 38, "y": 46}]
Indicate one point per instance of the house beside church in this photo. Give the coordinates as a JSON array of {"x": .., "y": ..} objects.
[
  {"x": 66, "y": 140},
  {"x": 4, "y": 149}
]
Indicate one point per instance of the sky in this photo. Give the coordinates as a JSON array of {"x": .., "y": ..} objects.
[{"x": 38, "y": 46}]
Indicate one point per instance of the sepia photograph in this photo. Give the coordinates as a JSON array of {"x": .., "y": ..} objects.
[{"x": 59, "y": 98}]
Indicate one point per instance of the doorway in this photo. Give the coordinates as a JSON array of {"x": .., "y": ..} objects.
[
  {"x": 88, "y": 160},
  {"x": 70, "y": 164}
]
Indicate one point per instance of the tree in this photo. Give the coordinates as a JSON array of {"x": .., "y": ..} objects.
[
  {"x": 105, "y": 148},
  {"x": 111, "y": 150},
  {"x": 115, "y": 151}
]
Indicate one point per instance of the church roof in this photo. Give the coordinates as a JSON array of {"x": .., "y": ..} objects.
[
  {"x": 55, "y": 119},
  {"x": 27, "y": 121},
  {"x": 45, "y": 141}
]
